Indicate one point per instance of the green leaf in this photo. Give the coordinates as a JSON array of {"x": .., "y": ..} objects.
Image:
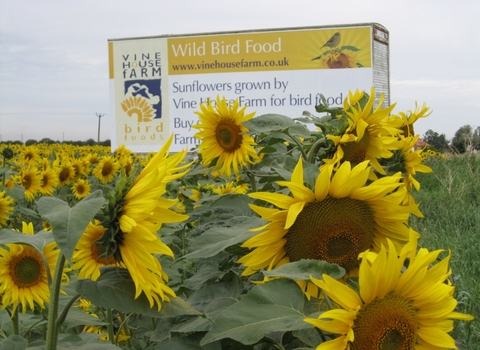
[
  {"x": 216, "y": 239},
  {"x": 212, "y": 299},
  {"x": 190, "y": 342},
  {"x": 310, "y": 171},
  {"x": 205, "y": 272},
  {"x": 14, "y": 342},
  {"x": 349, "y": 47},
  {"x": 27, "y": 212},
  {"x": 76, "y": 316},
  {"x": 303, "y": 269},
  {"x": 271, "y": 307},
  {"x": 268, "y": 123},
  {"x": 116, "y": 289},
  {"x": 310, "y": 174},
  {"x": 308, "y": 336},
  {"x": 84, "y": 341},
  {"x": 37, "y": 241},
  {"x": 68, "y": 224},
  {"x": 299, "y": 130},
  {"x": 239, "y": 202}
]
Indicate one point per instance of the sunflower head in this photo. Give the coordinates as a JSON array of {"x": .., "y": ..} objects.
[
  {"x": 396, "y": 307},
  {"x": 30, "y": 180},
  {"x": 49, "y": 181},
  {"x": 65, "y": 172},
  {"x": 127, "y": 238},
  {"x": 367, "y": 136},
  {"x": 225, "y": 140},
  {"x": 81, "y": 189},
  {"x": 24, "y": 276},
  {"x": 335, "y": 219},
  {"x": 106, "y": 169}
]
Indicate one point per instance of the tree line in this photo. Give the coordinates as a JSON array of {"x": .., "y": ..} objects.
[
  {"x": 466, "y": 139},
  {"x": 89, "y": 142}
]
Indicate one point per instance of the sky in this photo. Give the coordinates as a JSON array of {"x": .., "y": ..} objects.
[{"x": 54, "y": 55}]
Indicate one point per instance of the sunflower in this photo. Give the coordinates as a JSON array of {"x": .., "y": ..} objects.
[
  {"x": 337, "y": 221},
  {"x": 81, "y": 189},
  {"x": 229, "y": 187},
  {"x": 23, "y": 275},
  {"x": 80, "y": 168},
  {"x": 405, "y": 122},
  {"x": 412, "y": 162},
  {"x": 30, "y": 180},
  {"x": 6, "y": 207},
  {"x": 29, "y": 155},
  {"x": 366, "y": 137},
  {"x": 120, "y": 336},
  {"x": 49, "y": 180},
  {"x": 106, "y": 169},
  {"x": 65, "y": 172},
  {"x": 92, "y": 158},
  {"x": 126, "y": 163},
  {"x": 224, "y": 137},
  {"x": 395, "y": 307},
  {"x": 90, "y": 255},
  {"x": 46, "y": 226},
  {"x": 130, "y": 235},
  {"x": 10, "y": 184}
]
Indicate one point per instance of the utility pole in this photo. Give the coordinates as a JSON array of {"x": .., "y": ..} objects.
[{"x": 99, "y": 116}]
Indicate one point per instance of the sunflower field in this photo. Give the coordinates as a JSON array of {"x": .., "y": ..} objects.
[{"x": 275, "y": 233}]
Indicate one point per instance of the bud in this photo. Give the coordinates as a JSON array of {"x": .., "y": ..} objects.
[{"x": 8, "y": 153}]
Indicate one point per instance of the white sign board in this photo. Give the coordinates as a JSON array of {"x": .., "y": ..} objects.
[{"x": 157, "y": 83}]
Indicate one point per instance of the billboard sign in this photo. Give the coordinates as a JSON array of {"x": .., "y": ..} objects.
[{"x": 157, "y": 83}]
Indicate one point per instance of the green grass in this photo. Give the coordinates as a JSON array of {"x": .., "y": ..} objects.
[{"x": 450, "y": 200}]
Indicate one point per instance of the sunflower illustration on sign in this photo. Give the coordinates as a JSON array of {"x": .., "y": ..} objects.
[
  {"x": 337, "y": 54},
  {"x": 138, "y": 106},
  {"x": 142, "y": 100}
]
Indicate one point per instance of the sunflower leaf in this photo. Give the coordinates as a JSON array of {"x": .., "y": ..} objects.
[
  {"x": 217, "y": 239},
  {"x": 268, "y": 123},
  {"x": 69, "y": 223},
  {"x": 116, "y": 289},
  {"x": 14, "y": 342},
  {"x": 275, "y": 306},
  {"x": 299, "y": 130},
  {"x": 84, "y": 341},
  {"x": 303, "y": 269},
  {"x": 211, "y": 299},
  {"x": 37, "y": 241}
]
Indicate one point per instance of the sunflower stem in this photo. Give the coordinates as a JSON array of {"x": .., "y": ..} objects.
[
  {"x": 313, "y": 151},
  {"x": 15, "y": 321},
  {"x": 253, "y": 184},
  {"x": 63, "y": 316},
  {"x": 125, "y": 328},
  {"x": 52, "y": 330},
  {"x": 111, "y": 336},
  {"x": 300, "y": 146}
]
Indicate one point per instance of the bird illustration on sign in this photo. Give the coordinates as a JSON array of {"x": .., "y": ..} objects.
[{"x": 337, "y": 56}]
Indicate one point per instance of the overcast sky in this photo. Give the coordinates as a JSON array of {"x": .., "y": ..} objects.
[{"x": 54, "y": 58}]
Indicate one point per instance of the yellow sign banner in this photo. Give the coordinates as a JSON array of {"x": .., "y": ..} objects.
[{"x": 271, "y": 51}]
